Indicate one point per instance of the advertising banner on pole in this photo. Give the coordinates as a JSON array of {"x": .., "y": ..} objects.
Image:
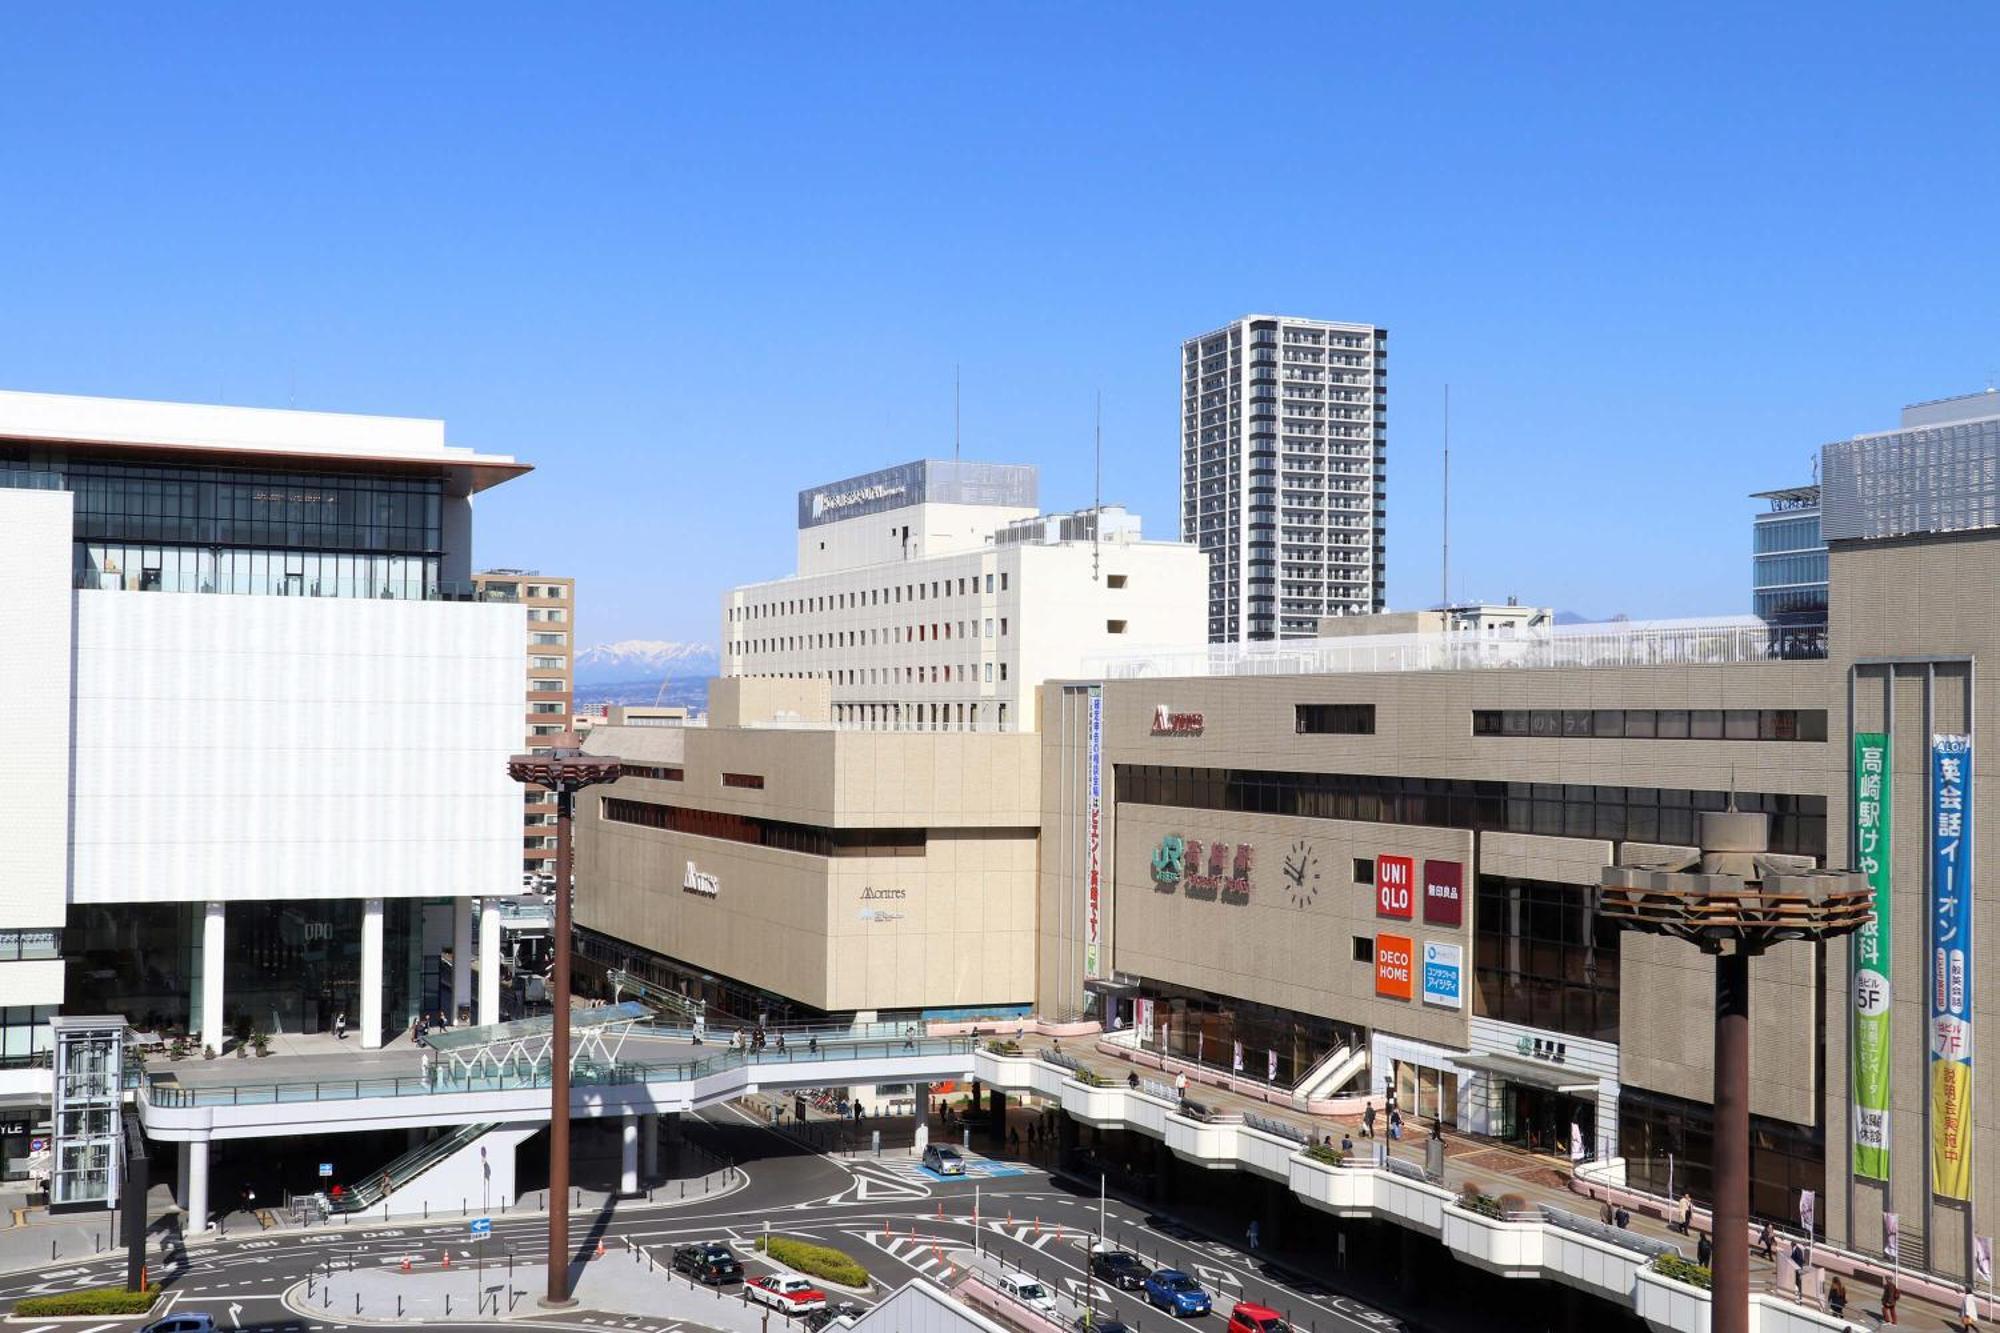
[
  {"x": 1871, "y": 958},
  {"x": 1950, "y": 980},
  {"x": 1094, "y": 837}
]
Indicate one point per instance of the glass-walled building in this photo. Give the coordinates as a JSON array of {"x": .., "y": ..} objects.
[{"x": 1788, "y": 559}]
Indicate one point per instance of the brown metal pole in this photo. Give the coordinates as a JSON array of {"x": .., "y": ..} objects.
[
  {"x": 559, "y": 1297},
  {"x": 1730, "y": 1271}
]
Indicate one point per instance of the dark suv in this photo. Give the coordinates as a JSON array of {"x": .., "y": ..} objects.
[{"x": 708, "y": 1261}]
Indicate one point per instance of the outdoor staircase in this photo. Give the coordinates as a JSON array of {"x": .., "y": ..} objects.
[
  {"x": 369, "y": 1193},
  {"x": 667, "y": 1001},
  {"x": 1333, "y": 1072}
]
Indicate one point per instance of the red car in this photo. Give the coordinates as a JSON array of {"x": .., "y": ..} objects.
[
  {"x": 785, "y": 1291},
  {"x": 1250, "y": 1317}
]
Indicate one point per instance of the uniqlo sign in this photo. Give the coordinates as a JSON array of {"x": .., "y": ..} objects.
[
  {"x": 1395, "y": 879},
  {"x": 1393, "y": 970},
  {"x": 1444, "y": 893}
]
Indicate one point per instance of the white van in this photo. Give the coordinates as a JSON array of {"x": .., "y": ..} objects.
[{"x": 1027, "y": 1291}]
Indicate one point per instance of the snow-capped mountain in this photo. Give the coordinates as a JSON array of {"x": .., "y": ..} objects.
[{"x": 643, "y": 659}]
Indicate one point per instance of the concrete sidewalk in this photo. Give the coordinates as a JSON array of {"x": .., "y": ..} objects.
[{"x": 617, "y": 1284}]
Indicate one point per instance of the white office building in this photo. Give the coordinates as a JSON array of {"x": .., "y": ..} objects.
[
  {"x": 264, "y": 724},
  {"x": 1284, "y": 447},
  {"x": 935, "y": 596}
]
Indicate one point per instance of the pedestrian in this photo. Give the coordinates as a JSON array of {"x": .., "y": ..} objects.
[
  {"x": 1395, "y": 1124},
  {"x": 1623, "y": 1217},
  {"x": 1368, "y": 1121},
  {"x": 1252, "y": 1235},
  {"x": 1180, "y": 1086},
  {"x": 1704, "y": 1250},
  {"x": 1604, "y": 1213},
  {"x": 1132, "y": 1080},
  {"x": 1687, "y": 1213},
  {"x": 340, "y": 1026},
  {"x": 1968, "y": 1312},
  {"x": 1767, "y": 1243},
  {"x": 1891, "y": 1293},
  {"x": 781, "y": 1041},
  {"x": 1346, "y": 1143},
  {"x": 1836, "y": 1296},
  {"x": 1799, "y": 1272},
  {"x": 812, "y": 1045}
]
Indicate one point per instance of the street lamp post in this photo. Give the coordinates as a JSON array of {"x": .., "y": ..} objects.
[
  {"x": 564, "y": 770},
  {"x": 1733, "y": 899}
]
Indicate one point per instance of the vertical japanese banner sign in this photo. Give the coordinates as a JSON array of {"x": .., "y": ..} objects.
[
  {"x": 1951, "y": 967},
  {"x": 1871, "y": 959},
  {"x": 1093, "y": 887}
]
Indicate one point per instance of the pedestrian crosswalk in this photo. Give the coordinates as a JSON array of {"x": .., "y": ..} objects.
[{"x": 976, "y": 1168}]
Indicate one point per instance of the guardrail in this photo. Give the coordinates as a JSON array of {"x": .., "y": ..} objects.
[
  {"x": 583, "y": 1074},
  {"x": 1631, "y": 1240},
  {"x": 1284, "y": 1129}
]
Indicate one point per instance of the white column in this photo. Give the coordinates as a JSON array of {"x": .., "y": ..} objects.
[
  {"x": 212, "y": 946},
  {"x": 649, "y": 1136},
  {"x": 181, "y": 1174},
  {"x": 197, "y": 1191},
  {"x": 628, "y": 1157},
  {"x": 371, "y": 974},
  {"x": 461, "y": 956},
  {"x": 489, "y": 964}
]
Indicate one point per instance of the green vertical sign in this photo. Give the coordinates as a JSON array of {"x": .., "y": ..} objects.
[{"x": 1871, "y": 959}]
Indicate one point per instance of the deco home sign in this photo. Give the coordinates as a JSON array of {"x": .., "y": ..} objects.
[{"x": 1204, "y": 869}]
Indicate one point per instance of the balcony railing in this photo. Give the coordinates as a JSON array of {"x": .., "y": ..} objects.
[
  {"x": 1735, "y": 639},
  {"x": 162, "y": 1093},
  {"x": 151, "y": 581}
]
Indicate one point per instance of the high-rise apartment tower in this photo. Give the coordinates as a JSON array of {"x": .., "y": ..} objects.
[{"x": 1284, "y": 449}]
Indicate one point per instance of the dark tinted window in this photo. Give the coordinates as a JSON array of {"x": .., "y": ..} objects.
[{"x": 1334, "y": 719}]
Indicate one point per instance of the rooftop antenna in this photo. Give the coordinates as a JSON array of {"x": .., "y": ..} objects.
[
  {"x": 954, "y": 411},
  {"x": 1097, "y": 489},
  {"x": 1445, "y": 580}
]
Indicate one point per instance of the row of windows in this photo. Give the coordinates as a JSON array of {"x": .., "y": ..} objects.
[
  {"x": 883, "y": 596},
  {"x": 920, "y": 717},
  {"x": 215, "y": 506},
  {"x": 1769, "y": 571},
  {"x": 113, "y": 566},
  {"x": 1618, "y": 814},
  {"x": 936, "y": 631},
  {"x": 657, "y": 772},
  {"x": 807, "y": 838},
  {"x": 1334, "y": 719},
  {"x": 1786, "y": 534},
  {"x": 1699, "y": 724}
]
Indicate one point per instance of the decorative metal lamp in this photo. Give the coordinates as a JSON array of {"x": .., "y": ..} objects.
[
  {"x": 564, "y": 770},
  {"x": 1732, "y": 898}
]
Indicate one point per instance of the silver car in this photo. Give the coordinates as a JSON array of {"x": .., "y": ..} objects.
[{"x": 944, "y": 1161}]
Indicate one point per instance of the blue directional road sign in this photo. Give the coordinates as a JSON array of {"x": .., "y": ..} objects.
[
  {"x": 482, "y": 1226},
  {"x": 325, "y": 1169}
]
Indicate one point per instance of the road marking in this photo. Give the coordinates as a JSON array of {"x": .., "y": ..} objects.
[{"x": 99, "y": 1328}]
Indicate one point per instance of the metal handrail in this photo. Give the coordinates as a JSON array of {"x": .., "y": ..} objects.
[{"x": 516, "y": 1077}]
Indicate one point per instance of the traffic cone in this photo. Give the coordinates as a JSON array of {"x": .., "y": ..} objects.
[
  {"x": 447, "y": 1258},
  {"x": 406, "y": 1263},
  {"x": 940, "y": 1210},
  {"x": 600, "y": 1247}
]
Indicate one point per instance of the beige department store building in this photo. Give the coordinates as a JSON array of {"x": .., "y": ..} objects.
[
  {"x": 1270, "y": 818},
  {"x": 776, "y": 866}
]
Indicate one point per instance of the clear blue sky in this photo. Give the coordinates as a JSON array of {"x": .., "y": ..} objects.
[{"x": 688, "y": 259}]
